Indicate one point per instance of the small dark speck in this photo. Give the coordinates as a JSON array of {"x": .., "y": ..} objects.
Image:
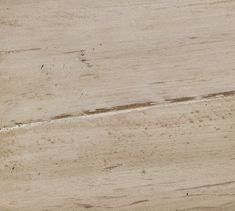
[
  {"x": 101, "y": 44},
  {"x": 12, "y": 169},
  {"x": 82, "y": 53},
  {"x": 42, "y": 66},
  {"x": 186, "y": 194},
  {"x": 192, "y": 38}
]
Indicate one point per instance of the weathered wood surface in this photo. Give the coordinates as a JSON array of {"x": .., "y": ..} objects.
[{"x": 117, "y": 105}]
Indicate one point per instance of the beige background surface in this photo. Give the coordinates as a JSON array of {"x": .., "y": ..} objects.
[{"x": 117, "y": 105}]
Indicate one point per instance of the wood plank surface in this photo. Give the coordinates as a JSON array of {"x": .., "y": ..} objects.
[
  {"x": 63, "y": 57},
  {"x": 117, "y": 105}
]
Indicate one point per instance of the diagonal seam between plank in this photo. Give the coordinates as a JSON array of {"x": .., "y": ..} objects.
[{"x": 123, "y": 109}]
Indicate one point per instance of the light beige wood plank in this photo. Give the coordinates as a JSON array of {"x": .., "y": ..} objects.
[
  {"x": 60, "y": 57},
  {"x": 172, "y": 157},
  {"x": 117, "y": 105}
]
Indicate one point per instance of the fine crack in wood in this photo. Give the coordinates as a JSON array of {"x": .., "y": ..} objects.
[{"x": 122, "y": 108}]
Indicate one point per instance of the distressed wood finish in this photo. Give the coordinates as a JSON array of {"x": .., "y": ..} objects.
[{"x": 117, "y": 105}]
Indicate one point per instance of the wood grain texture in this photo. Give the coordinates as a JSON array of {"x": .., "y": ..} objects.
[{"x": 117, "y": 105}]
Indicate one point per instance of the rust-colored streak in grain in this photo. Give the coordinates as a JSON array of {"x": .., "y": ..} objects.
[
  {"x": 62, "y": 116},
  {"x": 180, "y": 99},
  {"x": 119, "y": 108},
  {"x": 224, "y": 94}
]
